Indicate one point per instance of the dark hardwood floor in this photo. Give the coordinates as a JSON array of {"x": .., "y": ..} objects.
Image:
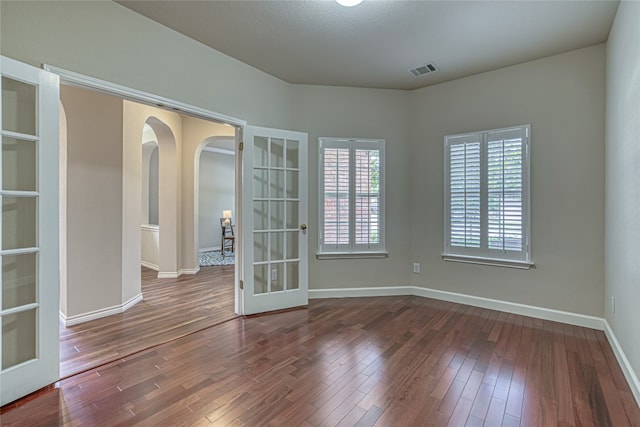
[
  {"x": 383, "y": 361},
  {"x": 170, "y": 309}
]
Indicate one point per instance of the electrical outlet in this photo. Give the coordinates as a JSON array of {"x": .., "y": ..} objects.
[
  {"x": 613, "y": 304},
  {"x": 274, "y": 274},
  {"x": 416, "y": 267}
]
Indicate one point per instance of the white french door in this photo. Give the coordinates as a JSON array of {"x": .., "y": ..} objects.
[
  {"x": 29, "y": 341},
  {"x": 274, "y": 218}
]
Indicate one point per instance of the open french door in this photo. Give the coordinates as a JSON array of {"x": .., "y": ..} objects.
[
  {"x": 29, "y": 233},
  {"x": 274, "y": 218}
]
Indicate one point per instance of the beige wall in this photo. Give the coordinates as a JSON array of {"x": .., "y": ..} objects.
[
  {"x": 360, "y": 113},
  {"x": 94, "y": 200},
  {"x": 622, "y": 245},
  {"x": 105, "y": 40},
  {"x": 562, "y": 97},
  {"x": 150, "y": 246}
]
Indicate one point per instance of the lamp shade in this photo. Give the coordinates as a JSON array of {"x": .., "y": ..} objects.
[{"x": 226, "y": 214}]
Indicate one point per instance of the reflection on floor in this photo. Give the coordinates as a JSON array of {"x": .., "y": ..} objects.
[
  {"x": 383, "y": 361},
  {"x": 171, "y": 308}
]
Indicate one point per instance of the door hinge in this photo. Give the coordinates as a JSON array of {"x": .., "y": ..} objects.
[
  {"x": 241, "y": 284},
  {"x": 241, "y": 145}
]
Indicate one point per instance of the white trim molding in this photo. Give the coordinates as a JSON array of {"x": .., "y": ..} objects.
[
  {"x": 77, "y": 79},
  {"x": 195, "y": 270},
  {"x": 383, "y": 291},
  {"x": 560, "y": 316},
  {"x": 168, "y": 274},
  {"x": 97, "y": 314},
  {"x": 176, "y": 274},
  {"x": 149, "y": 265},
  {"x": 625, "y": 365}
]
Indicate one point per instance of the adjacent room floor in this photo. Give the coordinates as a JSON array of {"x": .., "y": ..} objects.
[
  {"x": 171, "y": 308},
  {"x": 384, "y": 361}
]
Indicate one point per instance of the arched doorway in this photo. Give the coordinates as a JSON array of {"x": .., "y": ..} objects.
[{"x": 167, "y": 202}]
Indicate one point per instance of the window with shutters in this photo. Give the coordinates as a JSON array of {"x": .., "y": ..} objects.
[
  {"x": 351, "y": 196},
  {"x": 487, "y": 197}
]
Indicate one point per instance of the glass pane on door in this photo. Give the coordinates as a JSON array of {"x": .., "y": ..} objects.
[
  {"x": 292, "y": 154},
  {"x": 277, "y": 153},
  {"x": 18, "y": 338},
  {"x": 277, "y": 277},
  {"x": 18, "y": 164},
  {"x": 293, "y": 275},
  {"x": 18, "y": 222},
  {"x": 277, "y": 215},
  {"x": 260, "y": 279},
  {"x": 18, "y": 106},
  {"x": 19, "y": 280}
]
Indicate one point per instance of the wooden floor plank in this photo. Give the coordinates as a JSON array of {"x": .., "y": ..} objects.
[
  {"x": 384, "y": 361},
  {"x": 170, "y": 308}
]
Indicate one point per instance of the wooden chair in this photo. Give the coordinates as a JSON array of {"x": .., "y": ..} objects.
[{"x": 228, "y": 240}]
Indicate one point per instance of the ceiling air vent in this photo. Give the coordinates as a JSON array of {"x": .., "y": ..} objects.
[{"x": 422, "y": 70}]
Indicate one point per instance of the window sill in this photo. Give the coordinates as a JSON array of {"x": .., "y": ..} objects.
[
  {"x": 351, "y": 255},
  {"x": 522, "y": 265}
]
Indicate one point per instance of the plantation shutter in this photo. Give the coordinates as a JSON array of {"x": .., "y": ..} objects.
[
  {"x": 505, "y": 185},
  {"x": 367, "y": 197},
  {"x": 336, "y": 196},
  {"x": 464, "y": 164}
]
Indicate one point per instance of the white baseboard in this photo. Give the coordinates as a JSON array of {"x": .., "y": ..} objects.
[
  {"x": 383, "y": 291},
  {"x": 492, "y": 304},
  {"x": 176, "y": 274},
  {"x": 513, "y": 307},
  {"x": 211, "y": 249},
  {"x": 189, "y": 271},
  {"x": 627, "y": 369},
  {"x": 103, "y": 312},
  {"x": 149, "y": 265},
  {"x": 168, "y": 274},
  {"x": 509, "y": 307}
]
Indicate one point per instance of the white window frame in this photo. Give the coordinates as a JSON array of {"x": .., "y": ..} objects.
[
  {"x": 483, "y": 254},
  {"x": 351, "y": 250}
]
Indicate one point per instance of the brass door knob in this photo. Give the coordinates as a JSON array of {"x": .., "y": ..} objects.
[{"x": 303, "y": 227}]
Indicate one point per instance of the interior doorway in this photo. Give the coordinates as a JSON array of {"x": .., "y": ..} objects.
[
  {"x": 177, "y": 298},
  {"x": 215, "y": 201}
]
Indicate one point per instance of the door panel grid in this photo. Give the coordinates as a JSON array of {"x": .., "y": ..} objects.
[
  {"x": 29, "y": 356},
  {"x": 19, "y": 217},
  {"x": 276, "y": 204}
]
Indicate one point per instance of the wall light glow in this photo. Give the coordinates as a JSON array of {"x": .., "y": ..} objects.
[{"x": 349, "y": 3}]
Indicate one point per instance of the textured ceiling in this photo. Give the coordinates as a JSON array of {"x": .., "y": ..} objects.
[{"x": 376, "y": 43}]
